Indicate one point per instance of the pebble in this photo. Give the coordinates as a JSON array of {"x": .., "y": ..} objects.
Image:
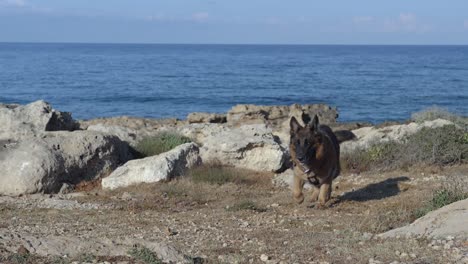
[{"x": 264, "y": 258}]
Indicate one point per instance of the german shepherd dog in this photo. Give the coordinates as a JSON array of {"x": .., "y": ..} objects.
[{"x": 315, "y": 153}]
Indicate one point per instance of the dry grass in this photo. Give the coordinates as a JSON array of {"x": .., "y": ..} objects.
[
  {"x": 245, "y": 205},
  {"x": 218, "y": 174},
  {"x": 441, "y": 146},
  {"x": 454, "y": 189},
  {"x": 208, "y": 184}
]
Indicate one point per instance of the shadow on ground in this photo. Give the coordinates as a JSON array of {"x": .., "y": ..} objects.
[{"x": 375, "y": 191}]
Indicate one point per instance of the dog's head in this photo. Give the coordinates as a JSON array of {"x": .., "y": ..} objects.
[{"x": 305, "y": 141}]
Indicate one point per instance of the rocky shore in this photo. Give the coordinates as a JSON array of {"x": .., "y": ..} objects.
[{"x": 46, "y": 157}]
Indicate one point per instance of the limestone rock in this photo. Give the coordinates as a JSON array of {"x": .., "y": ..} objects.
[
  {"x": 20, "y": 121},
  {"x": 124, "y": 133},
  {"x": 206, "y": 118},
  {"x": 250, "y": 146},
  {"x": 72, "y": 246},
  {"x": 43, "y": 164},
  {"x": 164, "y": 166},
  {"x": 450, "y": 220},
  {"x": 278, "y": 115}
]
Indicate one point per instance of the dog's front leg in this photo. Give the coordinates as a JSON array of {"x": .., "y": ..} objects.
[
  {"x": 298, "y": 185},
  {"x": 325, "y": 192},
  {"x": 315, "y": 194}
]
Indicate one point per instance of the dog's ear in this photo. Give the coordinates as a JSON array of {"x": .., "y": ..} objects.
[
  {"x": 295, "y": 126},
  {"x": 315, "y": 124}
]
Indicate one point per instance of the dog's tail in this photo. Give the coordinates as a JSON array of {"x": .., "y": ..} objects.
[{"x": 344, "y": 135}]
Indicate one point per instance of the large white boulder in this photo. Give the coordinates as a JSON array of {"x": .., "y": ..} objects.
[
  {"x": 43, "y": 164},
  {"x": 19, "y": 121},
  {"x": 450, "y": 220},
  {"x": 249, "y": 146},
  {"x": 164, "y": 166}
]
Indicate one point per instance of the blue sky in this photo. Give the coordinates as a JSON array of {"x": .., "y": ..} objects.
[{"x": 236, "y": 21}]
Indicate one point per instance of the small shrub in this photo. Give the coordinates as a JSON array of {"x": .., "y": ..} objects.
[
  {"x": 18, "y": 258},
  {"x": 439, "y": 146},
  {"x": 440, "y": 199},
  {"x": 160, "y": 143},
  {"x": 430, "y": 146},
  {"x": 145, "y": 255},
  {"x": 435, "y": 112}
]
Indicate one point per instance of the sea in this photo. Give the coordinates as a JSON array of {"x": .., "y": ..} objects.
[{"x": 366, "y": 83}]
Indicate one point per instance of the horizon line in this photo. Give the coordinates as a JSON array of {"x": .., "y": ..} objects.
[{"x": 221, "y": 44}]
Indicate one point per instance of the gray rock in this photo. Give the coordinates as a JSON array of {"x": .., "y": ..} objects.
[
  {"x": 164, "y": 166},
  {"x": 450, "y": 220},
  {"x": 250, "y": 146},
  {"x": 20, "y": 121},
  {"x": 277, "y": 115},
  {"x": 43, "y": 164},
  {"x": 286, "y": 180},
  {"x": 124, "y": 133},
  {"x": 206, "y": 118},
  {"x": 53, "y": 245}
]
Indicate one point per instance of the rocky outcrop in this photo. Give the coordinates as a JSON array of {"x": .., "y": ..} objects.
[
  {"x": 450, "y": 220},
  {"x": 277, "y": 115},
  {"x": 126, "y": 134},
  {"x": 250, "y": 146},
  {"x": 164, "y": 166},
  {"x": 43, "y": 164},
  {"x": 133, "y": 123},
  {"x": 368, "y": 136},
  {"x": 206, "y": 118},
  {"x": 20, "y": 121},
  {"x": 72, "y": 246}
]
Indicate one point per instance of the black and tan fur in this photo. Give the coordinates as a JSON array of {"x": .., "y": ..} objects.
[{"x": 315, "y": 153}]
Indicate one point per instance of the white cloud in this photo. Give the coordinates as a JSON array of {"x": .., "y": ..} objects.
[
  {"x": 12, "y": 3},
  {"x": 403, "y": 22},
  {"x": 406, "y": 22},
  {"x": 200, "y": 16},
  {"x": 407, "y": 18},
  {"x": 158, "y": 17},
  {"x": 363, "y": 19}
]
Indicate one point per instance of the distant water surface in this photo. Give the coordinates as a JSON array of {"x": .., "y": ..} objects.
[{"x": 366, "y": 83}]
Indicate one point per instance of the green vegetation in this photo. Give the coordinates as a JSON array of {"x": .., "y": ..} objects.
[
  {"x": 440, "y": 199},
  {"x": 19, "y": 258},
  {"x": 430, "y": 146},
  {"x": 145, "y": 255},
  {"x": 160, "y": 143}
]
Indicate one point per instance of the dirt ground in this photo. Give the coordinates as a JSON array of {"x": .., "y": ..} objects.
[{"x": 246, "y": 222}]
